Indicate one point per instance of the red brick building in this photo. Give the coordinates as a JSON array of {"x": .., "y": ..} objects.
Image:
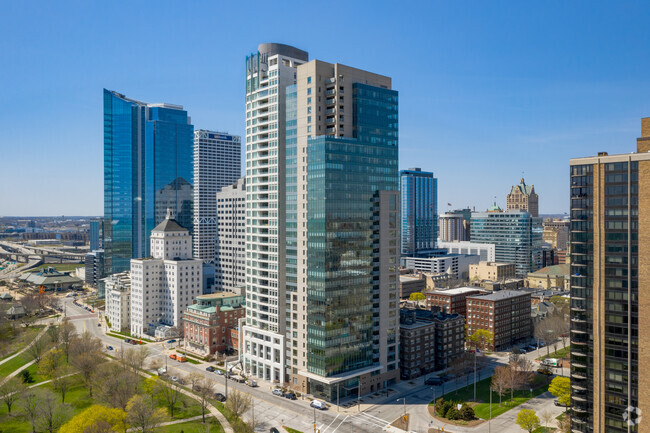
[
  {"x": 505, "y": 313},
  {"x": 452, "y": 300},
  {"x": 210, "y": 321}
]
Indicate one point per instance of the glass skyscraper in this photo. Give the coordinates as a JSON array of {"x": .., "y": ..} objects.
[
  {"x": 515, "y": 236},
  {"x": 419, "y": 195},
  {"x": 148, "y": 167}
]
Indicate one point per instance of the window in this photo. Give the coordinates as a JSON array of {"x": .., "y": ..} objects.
[{"x": 308, "y": 80}]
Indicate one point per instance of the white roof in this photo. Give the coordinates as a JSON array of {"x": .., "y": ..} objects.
[{"x": 458, "y": 291}]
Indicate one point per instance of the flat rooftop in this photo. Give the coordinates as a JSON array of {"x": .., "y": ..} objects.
[
  {"x": 458, "y": 291},
  {"x": 500, "y": 295},
  {"x": 218, "y": 295}
]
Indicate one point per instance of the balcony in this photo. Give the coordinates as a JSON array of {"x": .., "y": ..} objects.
[
  {"x": 330, "y": 111},
  {"x": 330, "y": 120},
  {"x": 330, "y": 92},
  {"x": 330, "y": 101}
]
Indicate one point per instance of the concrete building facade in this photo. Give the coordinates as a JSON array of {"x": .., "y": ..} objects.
[
  {"x": 452, "y": 228},
  {"x": 491, "y": 271},
  {"x": 230, "y": 257},
  {"x": 486, "y": 252},
  {"x": 452, "y": 300},
  {"x": 457, "y": 264},
  {"x": 118, "y": 301},
  {"x": 163, "y": 286},
  {"x": 217, "y": 163}
]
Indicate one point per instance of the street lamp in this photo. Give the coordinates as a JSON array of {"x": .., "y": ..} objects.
[{"x": 403, "y": 416}]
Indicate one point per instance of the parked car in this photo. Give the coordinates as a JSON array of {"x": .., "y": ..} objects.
[
  {"x": 531, "y": 348},
  {"x": 274, "y": 430},
  {"x": 99, "y": 324},
  {"x": 278, "y": 392},
  {"x": 433, "y": 381},
  {"x": 174, "y": 379},
  {"x": 220, "y": 397},
  {"x": 172, "y": 356},
  {"x": 109, "y": 347},
  {"x": 290, "y": 396},
  {"x": 320, "y": 405},
  {"x": 545, "y": 370},
  {"x": 557, "y": 403},
  {"x": 211, "y": 369},
  {"x": 171, "y": 341},
  {"x": 251, "y": 382},
  {"x": 219, "y": 372}
]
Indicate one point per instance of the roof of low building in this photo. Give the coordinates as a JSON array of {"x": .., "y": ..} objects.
[
  {"x": 169, "y": 224},
  {"x": 500, "y": 295},
  {"x": 16, "y": 309},
  {"x": 457, "y": 291},
  {"x": 6, "y": 295},
  {"x": 552, "y": 271}
]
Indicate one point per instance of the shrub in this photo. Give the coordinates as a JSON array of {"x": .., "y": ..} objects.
[
  {"x": 467, "y": 413},
  {"x": 26, "y": 376},
  {"x": 437, "y": 407},
  {"x": 446, "y": 405},
  {"x": 452, "y": 414}
]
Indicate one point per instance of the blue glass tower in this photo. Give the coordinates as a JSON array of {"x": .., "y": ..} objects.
[
  {"x": 95, "y": 234},
  {"x": 148, "y": 167},
  {"x": 419, "y": 195}
]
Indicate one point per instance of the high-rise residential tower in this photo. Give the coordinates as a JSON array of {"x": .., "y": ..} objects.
[
  {"x": 515, "y": 236},
  {"x": 148, "y": 167},
  {"x": 419, "y": 196},
  {"x": 95, "y": 233},
  {"x": 523, "y": 197},
  {"x": 610, "y": 275},
  {"x": 342, "y": 231},
  {"x": 230, "y": 261},
  {"x": 217, "y": 163},
  {"x": 268, "y": 73}
]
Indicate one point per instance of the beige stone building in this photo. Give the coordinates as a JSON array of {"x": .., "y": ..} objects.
[
  {"x": 556, "y": 232},
  {"x": 491, "y": 271},
  {"x": 551, "y": 277},
  {"x": 523, "y": 197}
]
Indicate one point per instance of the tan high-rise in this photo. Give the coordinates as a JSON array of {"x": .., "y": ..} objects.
[{"x": 523, "y": 197}]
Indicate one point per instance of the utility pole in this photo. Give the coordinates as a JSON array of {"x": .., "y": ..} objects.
[
  {"x": 490, "y": 418},
  {"x": 475, "y": 350},
  {"x": 225, "y": 375},
  {"x": 359, "y": 396},
  {"x": 314, "y": 420}
]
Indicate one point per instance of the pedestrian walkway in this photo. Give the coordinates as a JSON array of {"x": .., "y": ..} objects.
[{"x": 178, "y": 421}]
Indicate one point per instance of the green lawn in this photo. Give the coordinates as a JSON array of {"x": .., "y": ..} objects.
[
  {"x": 561, "y": 353},
  {"x": 21, "y": 339},
  {"x": 33, "y": 370},
  {"x": 292, "y": 430},
  {"x": 61, "y": 267},
  {"x": 482, "y": 410},
  {"x": 120, "y": 337},
  {"x": 192, "y": 427},
  {"x": 15, "y": 363}
]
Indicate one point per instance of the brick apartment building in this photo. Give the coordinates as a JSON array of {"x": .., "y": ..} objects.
[
  {"x": 429, "y": 341},
  {"x": 505, "y": 313},
  {"x": 210, "y": 321},
  {"x": 452, "y": 300}
]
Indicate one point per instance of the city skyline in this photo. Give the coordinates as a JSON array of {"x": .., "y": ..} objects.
[{"x": 515, "y": 95}]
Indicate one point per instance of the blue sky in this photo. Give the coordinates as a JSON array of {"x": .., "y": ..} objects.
[{"x": 488, "y": 90}]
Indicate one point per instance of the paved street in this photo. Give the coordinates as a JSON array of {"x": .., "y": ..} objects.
[{"x": 377, "y": 411}]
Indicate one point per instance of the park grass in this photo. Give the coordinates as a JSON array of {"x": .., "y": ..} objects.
[
  {"x": 559, "y": 354},
  {"x": 61, "y": 267},
  {"x": 18, "y": 342},
  {"x": 14, "y": 364},
  {"x": 192, "y": 427},
  {"x": 291, "y": 430},
  {"x": 37, "y": 378},
  {"x": 121, "y": 337},
  {"x": 237, "y": 423},
  {"x": 482, "y": 409}
]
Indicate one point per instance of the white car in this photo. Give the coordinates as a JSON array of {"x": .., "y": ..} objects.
[
  {"x": 318, "y": 404},
  {"x": 174, "y": 378}
]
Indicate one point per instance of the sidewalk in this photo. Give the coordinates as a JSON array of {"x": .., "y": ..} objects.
[{"x": 38, "y": 336}]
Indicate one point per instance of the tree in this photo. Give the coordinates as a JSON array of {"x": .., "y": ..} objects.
[
  {"x": 238, "y": 403},
  {"x": 37, "y": 348},
  {"x": 547, "y": 418},
  {"x": 527, "y": 420},
  {"x": 205, "y": 389},
  {"x": 170, "y": 391},
  {"x": 194, "y": 379},
  {"x": 30, "y": 404},
  {"x": 50, "y": 362},
  {"x": 115, "y": 385},
  {"x": 143, "y": 415},
  {"x": 466, "y": 412},
  {"x": 417, "y": 297},
  {"x": 95, "y": 419},
  {"x": 500, "y": 381},
  {"x": 155, "y": 364},
  {"x": 62, "y": 381},
  {"x": 481, "y": 338},
  {"x": 87, "y": 357},
  {"x": 560, "y": 387},
  {"x": 51, "y": 413},
  {"x": 30, "y": 303},
  {"x": 134, "y": 358},
  {"x": 66, "y": 335},
  {"x": 26, "y": 376},
  {"x": 514, "y": 378},
  {"x": 10, "y": 391}
]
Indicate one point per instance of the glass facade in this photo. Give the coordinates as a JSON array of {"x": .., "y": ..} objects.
[
  {"x": 514, "y": 235},
  {"x": 419, "y": 195},
  {"x": 604, "y": 243},
  {"x": 344, "y": 178},
  {"x": 148, "y": 167}
]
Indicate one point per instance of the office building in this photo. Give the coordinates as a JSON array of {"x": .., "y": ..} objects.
[
  {"x": 268, "y": 73},
  {"x": 94, "y": 268},
  {"x": 95, "y": 234},
  {"x": 485, "y": 251},
  {"x": 451, "y": 300},
  {"x": 491, "y": 271},
  {"x": 452, "y": 228},
  {"x": 522, "y": 197},
  {"x": 118, "y": 301},
  {"x": 556, "y": 232},
  {"x": 164, "y": 285},
  {"x": 346, "y": 232},
  {"x": 411, "y": 283},
  {"x": 217, "y": 163},
  {"x": 230, "y": 257},
  {"x": 506, "y": 314},
  {"x": 515, "y": 236},
  {"x": 456, "y": 264},
  {"x": 148, "y": 167},
  {"x": 419, "y": 196},
  {"x": 209, "y": 323},
  {"x": 610, "y": 270}
]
